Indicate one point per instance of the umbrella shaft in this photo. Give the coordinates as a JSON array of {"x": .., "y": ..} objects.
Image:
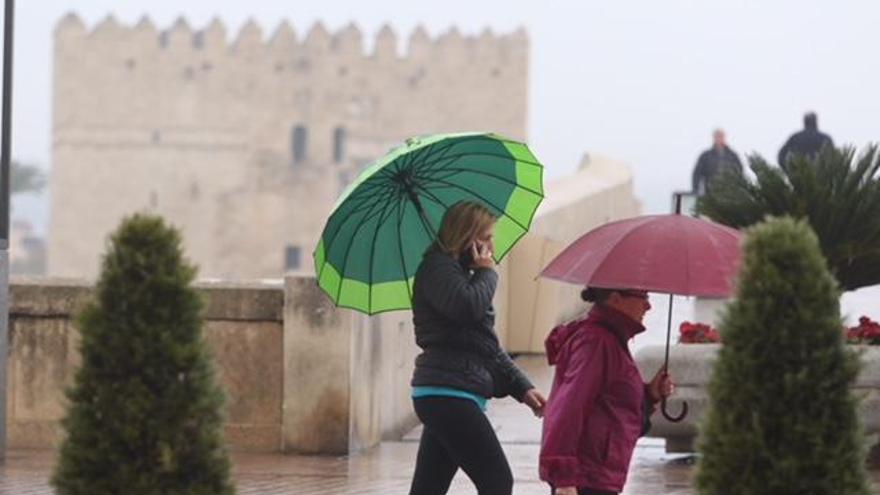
[
  {"x": 668, "y": 334},
  {"x": 409, "y": 187}
]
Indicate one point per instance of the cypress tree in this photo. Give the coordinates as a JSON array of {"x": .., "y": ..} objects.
[
  {"x": 782, "y": 419},
  {"x": 144, "y": 414}
]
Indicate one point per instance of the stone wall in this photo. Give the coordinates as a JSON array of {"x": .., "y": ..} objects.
[{"x": 300, "y": 375}]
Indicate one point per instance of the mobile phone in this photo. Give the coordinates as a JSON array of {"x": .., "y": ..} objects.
[{"x": 467, "y": 257}]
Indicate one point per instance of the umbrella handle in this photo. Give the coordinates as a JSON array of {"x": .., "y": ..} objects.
[{"x": 671, "y": 418}]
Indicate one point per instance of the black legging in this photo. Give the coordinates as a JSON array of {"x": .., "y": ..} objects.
[{"x": 457, "y": 434}]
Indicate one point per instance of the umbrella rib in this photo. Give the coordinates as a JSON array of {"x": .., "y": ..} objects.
[
  {"x": 332, "y": 239},
  {"x": 400, "y": 202},
  {"x": 435, "y": 150},
  {"x": 348, "y": 249},
  {"x": 375, "y": 179},
  {"x": 493, "y": 205},
  {"x": 497, "y": 155},
  {"x": 431, "y": 195},
  {"x": 364, "y": 192},
  {"x": 457, "y": 171},
  {"x": 329, "y": 241},
  {"x": 454, "y": 142},
  {"x": 417, "y": 155},
  {"x": 431, "y": 166},
  {"x": 368, "y": 185},
  {"x": 382, "y": 218},
  {"x": 377, "y": 198}
]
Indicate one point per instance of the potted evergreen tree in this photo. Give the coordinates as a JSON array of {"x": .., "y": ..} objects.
[
  {"x": 782, "y": 418},
  {"x": 144, "y": 414}
]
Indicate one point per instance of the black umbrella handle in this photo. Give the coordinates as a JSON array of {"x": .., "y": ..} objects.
[
  {"x": 671, "y": 418},
  {"x": 684, "y": 405}
]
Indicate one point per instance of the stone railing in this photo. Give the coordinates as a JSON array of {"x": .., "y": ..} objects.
[
  {"x": 690, "y": 365},
  {"x": 300, "y": 375}
]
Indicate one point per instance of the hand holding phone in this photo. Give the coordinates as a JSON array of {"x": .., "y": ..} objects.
[{"x": 482, "y": 256}]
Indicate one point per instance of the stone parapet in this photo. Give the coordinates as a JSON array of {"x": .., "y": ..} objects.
[
  {"x": 690, "y": 365},
  {"x": 300, "y": 375}
]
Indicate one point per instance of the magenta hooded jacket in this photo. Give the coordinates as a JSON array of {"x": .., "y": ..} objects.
[{"x": 597, "y": 407}]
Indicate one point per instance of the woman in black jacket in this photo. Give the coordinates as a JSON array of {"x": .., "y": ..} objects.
[{"x": 462, "y": 364}]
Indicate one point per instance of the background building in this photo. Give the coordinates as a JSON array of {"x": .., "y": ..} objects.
[{"x": 246, "y": 145}]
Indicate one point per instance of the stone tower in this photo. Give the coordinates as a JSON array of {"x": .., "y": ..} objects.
[{"x": 245, "y": 145}]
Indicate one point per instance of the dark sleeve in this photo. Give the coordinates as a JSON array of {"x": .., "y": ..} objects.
[
  {"x": 456, "y": 294},
  {"x": 517, "y": 381},
  {"x": 783, "y": 152},
  {"x": 828, "y": 141},
  {"x": 698, "y": 173},
  {"x": 739, "y": 165}
]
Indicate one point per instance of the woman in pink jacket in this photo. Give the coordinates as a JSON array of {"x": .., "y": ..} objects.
[{"x": 599, "y": 405}]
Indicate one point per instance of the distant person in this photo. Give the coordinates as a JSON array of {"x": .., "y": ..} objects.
[
  {"x": 712, "y": 162},
  {"x": 807, "y": 142}
]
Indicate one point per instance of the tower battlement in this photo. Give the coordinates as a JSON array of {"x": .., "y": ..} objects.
[
  {"x": 117, "y": 76},
  {"x": 284, "y": 39}
]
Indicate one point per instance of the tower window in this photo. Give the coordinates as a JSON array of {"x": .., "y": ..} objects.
[
  {"x": 339, "y": 145},
  {"x": 298, "y": 143},
  {"x": 292, "y": 257}
]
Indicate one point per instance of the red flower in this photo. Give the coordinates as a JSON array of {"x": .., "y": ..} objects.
[
  {"x": 866, "y": 332},
  {"x": 697, "y": 333}
]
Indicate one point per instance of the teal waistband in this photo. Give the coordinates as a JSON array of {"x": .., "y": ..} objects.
[{"x": 449, "y": 392}]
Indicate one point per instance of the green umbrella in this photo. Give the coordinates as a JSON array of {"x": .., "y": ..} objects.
[{"x": 383, "y": 222}]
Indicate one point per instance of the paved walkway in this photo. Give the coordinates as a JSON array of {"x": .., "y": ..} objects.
[{"x": 387, "y": 468}]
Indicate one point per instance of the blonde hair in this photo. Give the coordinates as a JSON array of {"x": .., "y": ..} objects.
[{"x": 461, "y": 225}]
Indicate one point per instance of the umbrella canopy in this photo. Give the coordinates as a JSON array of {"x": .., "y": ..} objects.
[
  {"x": 382, "y": 224},
  {"x": 673, "y": 254}
]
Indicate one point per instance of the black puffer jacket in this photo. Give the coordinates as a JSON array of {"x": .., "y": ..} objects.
[
  {"x": 808, "y": 142},
  {"x": 455, "y": 327}
]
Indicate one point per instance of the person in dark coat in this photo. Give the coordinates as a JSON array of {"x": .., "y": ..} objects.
[
  {"x": 807, "y": 142},
  {"x": 599, "y": 405},
  {"x": 462, "y": 364},
  {"x": 713, "y": 162}
]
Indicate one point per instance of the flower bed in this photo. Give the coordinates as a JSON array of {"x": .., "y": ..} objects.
[
  {"x": 691, "y": 369},
  {"x": 867, "y": 332},
  {"x": 697, "y": 333},
  {"x": 690, "y": 365}
]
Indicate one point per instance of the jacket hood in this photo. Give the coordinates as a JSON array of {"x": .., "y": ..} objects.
[
  {"x": 558, "y": 337},
  {"x": 623, "y": 326}
]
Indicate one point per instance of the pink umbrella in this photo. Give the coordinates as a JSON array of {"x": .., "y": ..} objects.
[{"x": 672, "y": 254}]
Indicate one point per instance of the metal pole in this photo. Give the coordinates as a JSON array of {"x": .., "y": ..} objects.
[
  {"x": 5, "y": 157},
  {"x": 684, "y": 405}
]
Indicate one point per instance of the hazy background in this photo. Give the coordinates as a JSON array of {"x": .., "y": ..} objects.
[{"x": 640, "y": 81}]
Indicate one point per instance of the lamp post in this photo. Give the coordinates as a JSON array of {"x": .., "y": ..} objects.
[{"x": 5, "y": 156}]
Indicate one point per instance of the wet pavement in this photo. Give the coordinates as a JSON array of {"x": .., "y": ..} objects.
[{"x": 387, "y": 469}]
